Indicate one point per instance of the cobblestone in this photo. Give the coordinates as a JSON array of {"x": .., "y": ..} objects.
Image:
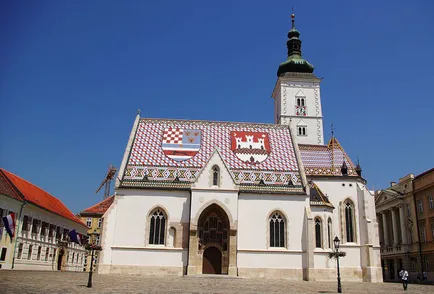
[{"x": 18, "y": 282}]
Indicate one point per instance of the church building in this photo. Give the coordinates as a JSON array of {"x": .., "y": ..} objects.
[{"x": 253, "y": 200}]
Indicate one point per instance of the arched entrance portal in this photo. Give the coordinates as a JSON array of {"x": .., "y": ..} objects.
[
  {"x": 59, "y": 259},
  {"x": 212, "y": 261},
  {"x": 213, "y": 234}
]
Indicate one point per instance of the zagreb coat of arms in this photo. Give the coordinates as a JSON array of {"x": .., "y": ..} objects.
[
  {"x": 250, "y": 147},
  {"x": 181, "y": 144}
]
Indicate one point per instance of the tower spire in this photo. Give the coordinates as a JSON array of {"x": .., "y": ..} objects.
[{"x": 294, "y": 63}]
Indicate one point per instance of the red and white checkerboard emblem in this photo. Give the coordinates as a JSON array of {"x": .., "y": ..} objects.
[
  {"x": 250, "y": 147},
  {"x": 181, "y": 144}
]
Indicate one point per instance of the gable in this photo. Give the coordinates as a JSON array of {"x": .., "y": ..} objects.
[
  {"x": 205, "y": 178},
  {"x": 166, "y": 151}
]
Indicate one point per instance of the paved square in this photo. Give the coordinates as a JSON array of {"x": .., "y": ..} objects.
[{"x": 17, "y": 282}]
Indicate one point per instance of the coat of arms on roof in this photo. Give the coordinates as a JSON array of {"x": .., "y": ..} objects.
[
  {"x": 181, "y": 144},
  {"x": 250, "y": 147}
]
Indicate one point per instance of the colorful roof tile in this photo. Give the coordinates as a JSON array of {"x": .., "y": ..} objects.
[
  {"x": 165, "y": 150},
  {"x": 39, "y": 197},
  {"x": 325, "y": 160},
  {"x": 99, "y": 208}
]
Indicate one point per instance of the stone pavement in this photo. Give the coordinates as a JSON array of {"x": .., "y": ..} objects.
[{"x": 18, "y": 282}]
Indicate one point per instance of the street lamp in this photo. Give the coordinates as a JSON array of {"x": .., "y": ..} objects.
[
  {"x": 92, "y": 240},
  {"x": 336, "y": 241}
]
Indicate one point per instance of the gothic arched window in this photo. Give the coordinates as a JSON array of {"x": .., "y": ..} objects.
[
  {"x": 349, "y": 220},
  {"x": 215, "y": 175},
  {"x": 318, "y": 241},
  {"x": 277, "y": 230},
  {"x": 329, "y": 233},
  {"x": 157, "y": 227}
]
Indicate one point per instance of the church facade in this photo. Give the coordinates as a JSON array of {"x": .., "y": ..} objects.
[{"x": 243, "y": 199}]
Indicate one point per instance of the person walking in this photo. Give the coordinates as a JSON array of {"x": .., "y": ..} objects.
[{"x": 404, "y": 277}]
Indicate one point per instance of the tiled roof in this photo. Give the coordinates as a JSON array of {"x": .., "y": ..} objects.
[
  {"x": 6, "y": 188},
  {"x": 269, "y": 156},
  {"x": 100, "y": 207},
  {"x": 317, "y": 197},
  {"x": 325, "y": 159},
  {"x": 39, "y": 197}
]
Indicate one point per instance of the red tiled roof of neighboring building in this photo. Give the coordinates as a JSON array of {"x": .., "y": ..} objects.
[
  {"x": 100, "y": 207},
  {"x": 39, "y": 197},
  {"x": 6, "y": 188}
]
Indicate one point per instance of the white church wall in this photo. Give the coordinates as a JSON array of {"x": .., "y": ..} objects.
[
  {"x": 255, "y": 257},
  {"x": 134, "y": 207},
  {"x": 125, "y": 246}
]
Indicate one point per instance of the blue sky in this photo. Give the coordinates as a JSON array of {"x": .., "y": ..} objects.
[{"x": 73, "y": 74}]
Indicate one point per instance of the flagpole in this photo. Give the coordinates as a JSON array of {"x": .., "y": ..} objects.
[{"x": 17, "y": 232}]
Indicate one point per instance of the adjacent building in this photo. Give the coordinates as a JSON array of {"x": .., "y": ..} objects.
[
  {"x": 405, "y": 212},
  {"x": 243, "y": 199},
  {"x": 41, "y": 232},
  {"x": 93, "y": 218}
]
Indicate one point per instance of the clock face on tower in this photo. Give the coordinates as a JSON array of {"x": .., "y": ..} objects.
[{"x": 301, "y": 110}]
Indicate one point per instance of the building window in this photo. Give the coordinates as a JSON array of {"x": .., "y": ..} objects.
[
  {"x": 58, "y": 233},
  {"x": 215, "y": 175},
  {"x": 99, "y": 223},
  {"x": 349, "y": 221},
  {"x": 302, "y": 130},
  {"x": 29, "y": 253},
  {"x": 44, "y": 228},
  {"x": 73, "y": 255},
  {"x": 97, "y": 239},
  {"x": 89, "y": 222},
  {"x": 65, "y": 234},
  {"x": 420, "y": 206},
  {"x": 26, "y": 223},
  {"x": 422, "y": 233},
  {"x": 426, "y": 261},
  {"x": 3, "y": 254},
  {"x": 329, "y": 232},
  {"x": 20, "y": 251},
  {"x": 277, "y": 230},
  {"x": 408, "y": 211},
  {"x": 39, "y": 253},
  {"x": 431, "y": 202},
  {"x": 432, "y": 231},
  {"x": 301, "y": 101},
  {"x": 51, "y": 231},
  {"x": 35, "y": 228},
  {"x": 47, "y": 252},
  {"x": 54, "y": 254},
  {"x": 410, "y": 236},
  {"x": 157, "y": 227},
  {"x": 318, "y": 241}
]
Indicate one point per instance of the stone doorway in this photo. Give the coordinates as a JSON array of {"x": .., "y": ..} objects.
[
  {"x": 60, "y": 259},
  {"x": 213, "y": 240},
  {"x": 212, "y": 261}
]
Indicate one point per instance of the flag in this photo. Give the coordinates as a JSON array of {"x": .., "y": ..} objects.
[
  {"x": 74, "y": 237},
  {"x": 9, "y": 222}
]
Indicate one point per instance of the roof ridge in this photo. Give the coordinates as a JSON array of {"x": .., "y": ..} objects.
[{"x": 211, "y": 121}]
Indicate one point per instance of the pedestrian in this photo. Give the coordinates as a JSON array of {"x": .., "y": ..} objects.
[
  {"x": 424, "y": 277},
  {"x": 404, "y": 276}
]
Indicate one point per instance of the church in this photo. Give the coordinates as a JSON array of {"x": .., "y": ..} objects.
[{"x": 252, "y": 200}]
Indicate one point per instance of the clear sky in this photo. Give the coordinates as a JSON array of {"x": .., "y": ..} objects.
[{"x": 74, "y": 73}]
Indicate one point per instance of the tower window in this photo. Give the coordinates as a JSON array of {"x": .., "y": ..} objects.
[
  {"x": 301, "y": 101},
  {"x": 302, "y": 130}
]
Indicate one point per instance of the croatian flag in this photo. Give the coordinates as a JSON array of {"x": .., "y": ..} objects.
[
  {"x": 9, "y": 222},
  {"x": 74, "y": 237}
]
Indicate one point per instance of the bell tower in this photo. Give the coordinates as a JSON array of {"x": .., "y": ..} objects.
[{"x": 297, "y": 99}]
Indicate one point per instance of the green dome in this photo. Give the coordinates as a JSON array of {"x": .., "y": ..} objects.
[{"x": 294, "y": 63}]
